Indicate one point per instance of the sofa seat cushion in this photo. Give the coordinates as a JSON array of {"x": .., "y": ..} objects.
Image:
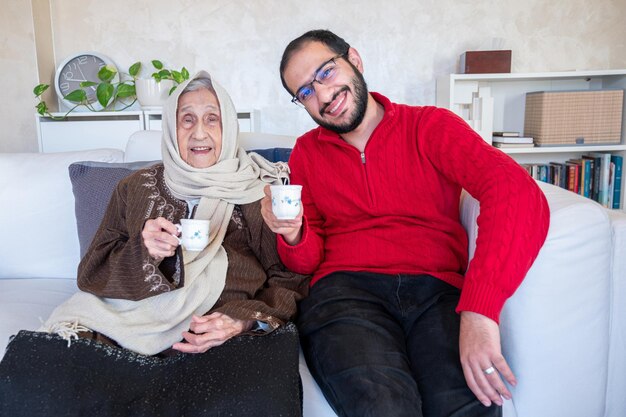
[{"x": 25, "y": 303}]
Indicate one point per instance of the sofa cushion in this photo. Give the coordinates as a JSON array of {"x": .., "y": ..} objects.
[
  {"x": 93, "y": 184},
  {"x": 274, "y": 154},
  {"x": 38, "y": 213}
]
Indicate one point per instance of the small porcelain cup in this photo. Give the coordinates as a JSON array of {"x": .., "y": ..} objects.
[
  {"x": 194, "y": 234},
  {"x": 286, "y": 201}
]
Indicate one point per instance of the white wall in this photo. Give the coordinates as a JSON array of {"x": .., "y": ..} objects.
[{"x": 405, "y": 44}]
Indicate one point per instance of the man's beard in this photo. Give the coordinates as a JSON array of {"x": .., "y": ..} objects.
[{"x": 360, "y": 101}]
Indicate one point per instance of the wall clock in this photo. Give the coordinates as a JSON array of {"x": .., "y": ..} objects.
[{"x": 77, "y": 68}]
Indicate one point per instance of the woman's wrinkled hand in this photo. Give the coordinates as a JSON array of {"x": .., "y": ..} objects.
[
  {"x": 159, "y": 237},
  {"x": 291, "y": 230},
  {"x": 209, "y": 331}
]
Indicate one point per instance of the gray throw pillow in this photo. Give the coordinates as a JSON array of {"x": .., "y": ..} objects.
[{"x": 93, "y": 184}]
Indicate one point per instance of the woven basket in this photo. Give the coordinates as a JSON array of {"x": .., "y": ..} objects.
[{"x": 574, "y": 117}]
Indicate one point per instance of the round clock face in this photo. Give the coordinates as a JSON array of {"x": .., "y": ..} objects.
[{"x": 76, "y": 69}]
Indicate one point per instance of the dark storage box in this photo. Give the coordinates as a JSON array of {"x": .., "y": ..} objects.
[{"x": 485, "y": 62}]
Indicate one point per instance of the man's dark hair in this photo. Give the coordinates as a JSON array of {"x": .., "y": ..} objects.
[{"x": 328, "y": 38}]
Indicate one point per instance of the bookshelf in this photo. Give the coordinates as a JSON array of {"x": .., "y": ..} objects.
[{"x": 508, "y": 92}]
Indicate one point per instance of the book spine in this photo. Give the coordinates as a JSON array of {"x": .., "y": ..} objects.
[
  {"x": 611, "y": 185},
  {"x": 563, "y": 178},
  {"x": 604, "y": 180},
  {"x": 587, "y": 177},
  {"x": 597, "y": 168},
  {"x": 617, "y": 183}
]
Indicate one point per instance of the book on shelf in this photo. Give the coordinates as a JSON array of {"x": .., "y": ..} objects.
[
  {"x": 605, "y": 176},
  {"x": 611, "y": 184},
  {"x": 617, "y": 160},
  {"x": 596, "y": 168},
  {"x": 559, "y": 177},
  {"x": 573, "y": 176},
  {"x": 598, "y": 176},
  {"x": 584, "y": 172},
  {"x": 505, "y": 134},
  {"x": 513, "y": 145},
  {"x": 516, "y": 139},
  {"x": 586, "y": 178}
]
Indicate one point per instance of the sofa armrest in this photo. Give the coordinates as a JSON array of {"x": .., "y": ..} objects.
[
  {"x": 555, "y": 328},
  {"x": 616, "y": 400},
  {"x": 38, "y": 212}
]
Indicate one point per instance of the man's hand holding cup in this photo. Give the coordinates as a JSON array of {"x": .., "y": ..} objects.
[{"x": 282, "y": 211}]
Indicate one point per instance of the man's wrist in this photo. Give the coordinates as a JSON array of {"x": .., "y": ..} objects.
[{"x": 293, "y": 239}]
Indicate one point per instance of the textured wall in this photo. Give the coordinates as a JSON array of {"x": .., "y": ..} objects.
[
  {"x": 18, "y": 70},
  {"x": 405, "y": 44}
]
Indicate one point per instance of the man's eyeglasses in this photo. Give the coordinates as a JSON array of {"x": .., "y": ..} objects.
[{"x": 324, "y": 74}]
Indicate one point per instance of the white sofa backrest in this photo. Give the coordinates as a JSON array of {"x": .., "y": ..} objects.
[
  {"x": 37, "y": 222},
  {"x": 145, "y": 145}
]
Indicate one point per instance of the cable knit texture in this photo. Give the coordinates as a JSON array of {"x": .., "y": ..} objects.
[{"x": 399, "y": 211}]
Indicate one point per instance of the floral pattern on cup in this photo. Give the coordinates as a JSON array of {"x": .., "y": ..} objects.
[
  {"x": 196, "y": 235},
  {"x": 286, "y": 201}
]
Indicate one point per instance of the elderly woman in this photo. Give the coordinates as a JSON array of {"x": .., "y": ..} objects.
[{"x": 145, "y": 299}]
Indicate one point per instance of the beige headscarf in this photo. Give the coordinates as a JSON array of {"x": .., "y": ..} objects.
[
  {"x": 154, "y": 324},
  {"x": 236, "y": 178}
]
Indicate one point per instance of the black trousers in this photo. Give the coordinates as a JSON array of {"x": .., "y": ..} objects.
[{"x": 382, "y": 345}]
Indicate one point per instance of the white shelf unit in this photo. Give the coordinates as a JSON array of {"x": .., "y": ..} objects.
[
  {"x": 249, "y": 120},
  {"x": 509, "y": 94},
  {"x": 91, "y": 130},
  {"x": 87, "y": 130}
]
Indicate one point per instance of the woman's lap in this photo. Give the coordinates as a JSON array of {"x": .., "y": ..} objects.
[{"x": 247, "y": 376}]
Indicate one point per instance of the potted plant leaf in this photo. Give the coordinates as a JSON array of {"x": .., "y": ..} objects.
[
  {"x": 114, "y": 93},
  {"x": 111, "y": 95}
]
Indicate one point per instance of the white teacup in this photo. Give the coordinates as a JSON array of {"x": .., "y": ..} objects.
[
  {"x": 194, "y": 234},
  {"x": 286, "y": 201}
]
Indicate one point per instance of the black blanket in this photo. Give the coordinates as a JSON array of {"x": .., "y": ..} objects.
[{"x": 247, "y": 376}]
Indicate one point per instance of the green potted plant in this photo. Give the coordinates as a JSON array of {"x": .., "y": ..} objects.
[
  {"x": 115, "y": 95},
  {"x": 152, "y": 92}
]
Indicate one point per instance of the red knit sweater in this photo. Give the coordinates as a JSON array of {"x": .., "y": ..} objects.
[{"x": 395, "y": 208}]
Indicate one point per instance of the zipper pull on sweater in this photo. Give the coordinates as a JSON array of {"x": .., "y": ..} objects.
[{"x": 363, "y": 157}]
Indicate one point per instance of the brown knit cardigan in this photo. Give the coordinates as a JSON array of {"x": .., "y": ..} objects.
[{"x": 118, "y": 265}]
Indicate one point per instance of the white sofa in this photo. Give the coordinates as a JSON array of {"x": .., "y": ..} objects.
[{"x": 563, "y": 332}]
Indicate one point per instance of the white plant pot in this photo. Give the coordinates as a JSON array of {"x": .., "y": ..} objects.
[{"x": 152, "y": 94}]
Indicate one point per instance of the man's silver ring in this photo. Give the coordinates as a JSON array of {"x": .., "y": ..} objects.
[{"x": 489, "y": 370}]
